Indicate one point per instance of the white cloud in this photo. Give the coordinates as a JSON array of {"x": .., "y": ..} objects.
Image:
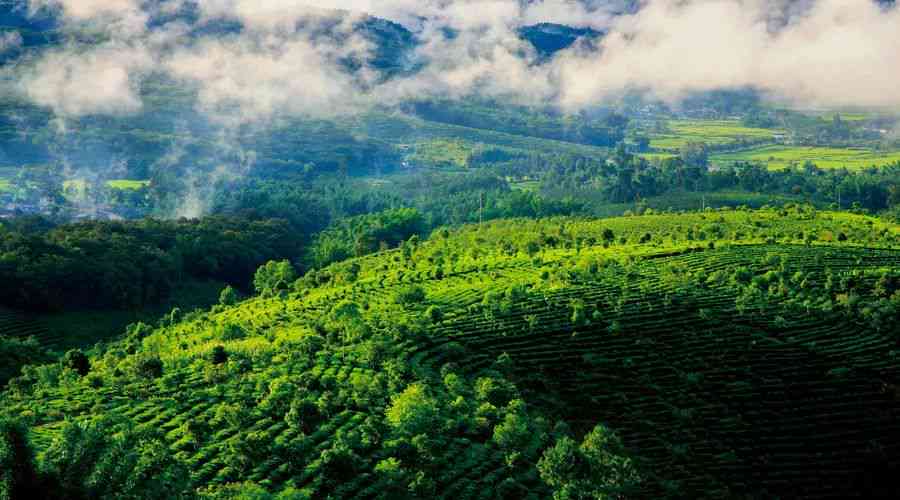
[
  {"x": 10, "y": 40},
  {"x": 257, "y": 78},
  {"x": 122, "y": 18},
  {"x": 821, "y": 52},
  {"x": 103, "y": 80},
  {"x": 834, "y": 52}
]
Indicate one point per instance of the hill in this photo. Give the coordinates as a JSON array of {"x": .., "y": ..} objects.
[{"x": 715, "y": 354}]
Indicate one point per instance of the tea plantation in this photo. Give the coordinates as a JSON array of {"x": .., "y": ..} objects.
[{"x": 720, "y": 354}]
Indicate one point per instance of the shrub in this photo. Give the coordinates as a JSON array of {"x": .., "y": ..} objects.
[
  {"x": 149, "y": 366},
  {"x": 228, "y": 297},
  {"x": 76, "y": 361},
  {"x": 410, "y": 295},
  {"x": 218, "y": 355},
  {"x": 434, "y": 314},
  {"x": 18, "y": 478},
  {"x": 274, "y": 277}
]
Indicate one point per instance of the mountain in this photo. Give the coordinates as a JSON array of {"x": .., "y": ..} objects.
[{"x": 548, "y": 38}]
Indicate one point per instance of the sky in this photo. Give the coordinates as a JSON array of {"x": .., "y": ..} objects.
[{"x": 813, "y": 53}]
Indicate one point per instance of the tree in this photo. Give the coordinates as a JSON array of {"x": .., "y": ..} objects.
[
  {"x": 597, "y": 469},
  {"x": 92, "y": 460},
  {"x": 228, "y": 297},
  {"x": 274, "y": 277},
  {"x": 149, "y": 366},
  {"x": 514, "y": 433},
  {"x": 414, "y": 411},
  {"x": 695, "y": 154},
  {"x": 303, "y": 415},
  {"x": 219, "y": 355},
  {"x": 561, "y": 467},
  {"x": 410, "y": 295},
  {"x": 18, "y": 477},
  {"x": 608, "y": 237},
  {"x": 76, "y": 361}
]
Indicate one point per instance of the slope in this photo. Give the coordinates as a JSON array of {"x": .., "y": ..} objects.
[{"x": 735, "y": 353}]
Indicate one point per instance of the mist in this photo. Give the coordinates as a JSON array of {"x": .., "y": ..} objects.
[
  {"x": 816, "y": 53},
  {"x": 250, "y": 63}
]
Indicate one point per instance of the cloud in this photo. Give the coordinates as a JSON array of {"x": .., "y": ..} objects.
[
  {"x": 9, "y": 41},
  {"x": 292, "y": 56},
  {"x": 255, "y": 78},
  {"x": 828, "y": 52},
  {"x": 120, "y": 17},
  {"x": 103, "y": 80}
]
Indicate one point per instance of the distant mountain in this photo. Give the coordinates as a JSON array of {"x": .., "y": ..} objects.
[{"x": 549, "y": 38}]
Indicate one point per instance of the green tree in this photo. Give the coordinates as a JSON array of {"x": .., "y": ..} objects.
[
  {"x": 18, "y": 477},
  {"x": 219, "y": 355},
  {"x": 597, "y": 469},
  {"x": 414, "y": 411},
  {"x": 228, "y": 297},
  {"x": 274, "y": 277},
  {"x": 76, "y": 361},
  {"x": 410, "y": 295}
]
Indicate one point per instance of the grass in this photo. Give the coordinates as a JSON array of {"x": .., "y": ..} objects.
[
  {"x": 529, "y": 186},
  {"x": 780, "y": 157},
  {"x": 398, "y": 129},
  {"x": 127, "y": 185},
  {"x": 443, "y": 152},
  {"x": 709, "y": 131},
  {"x": 4, "y": 185},
  {"x": 656, "y": 156}
]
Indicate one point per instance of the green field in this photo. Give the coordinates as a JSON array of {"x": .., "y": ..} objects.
[
  {"x": 530, "y": 186},
  {"x": 403, "y": 130},
  {"x": 77, "y": 186},
  {"x": 719, "y": 346},
  {"x": 779, "y": 157},
  {"x": 713, "y": 132},
  {"x": 127, "y": 185},
  {"x": 442, "y": 152},
  {"x": 657, "y": 156},
  {"x": 4, "y": 185}
]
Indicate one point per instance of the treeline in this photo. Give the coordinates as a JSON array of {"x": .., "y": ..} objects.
[
  {"x": 350, "y": 217},
  {"x": 626, "y": 178},
  {"x": 606, "y": 131},
  {"x": 128, "y": 265}
]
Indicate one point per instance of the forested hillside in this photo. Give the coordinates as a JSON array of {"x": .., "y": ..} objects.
[{"x": 666, "y": 355}]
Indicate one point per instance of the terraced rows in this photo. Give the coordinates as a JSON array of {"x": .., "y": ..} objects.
[
  {"x": 804, "y": 409},
  {"x": 16, "y": 324}
]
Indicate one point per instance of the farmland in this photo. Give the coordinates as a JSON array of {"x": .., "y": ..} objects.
[
  {"x": 716, "y": 345},
  {"x": 713, "y": 132},
  {"x": 780, "y": 157}
]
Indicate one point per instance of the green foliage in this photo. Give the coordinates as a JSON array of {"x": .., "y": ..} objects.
[
  {"x": 16, "y": 353},
  {"x": 218, "y": 355},
  {"x": 18, "y": 477},
  {"x": 409, "y": 296},
  {"x": 274, "y": 277},
  {"x": 149, "y": 366},
  {"x": 342, "y": 391},
  {"x": 77, "y": 361},
  {"x": 598, "y": 468},
  {"x": 365, "y": 234},
  {"x": 129, "y": 265},
  {"x": 228, "y": 296},
  {"x": 413, "y": 411},
  {"x": 91, "y": 460}
]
